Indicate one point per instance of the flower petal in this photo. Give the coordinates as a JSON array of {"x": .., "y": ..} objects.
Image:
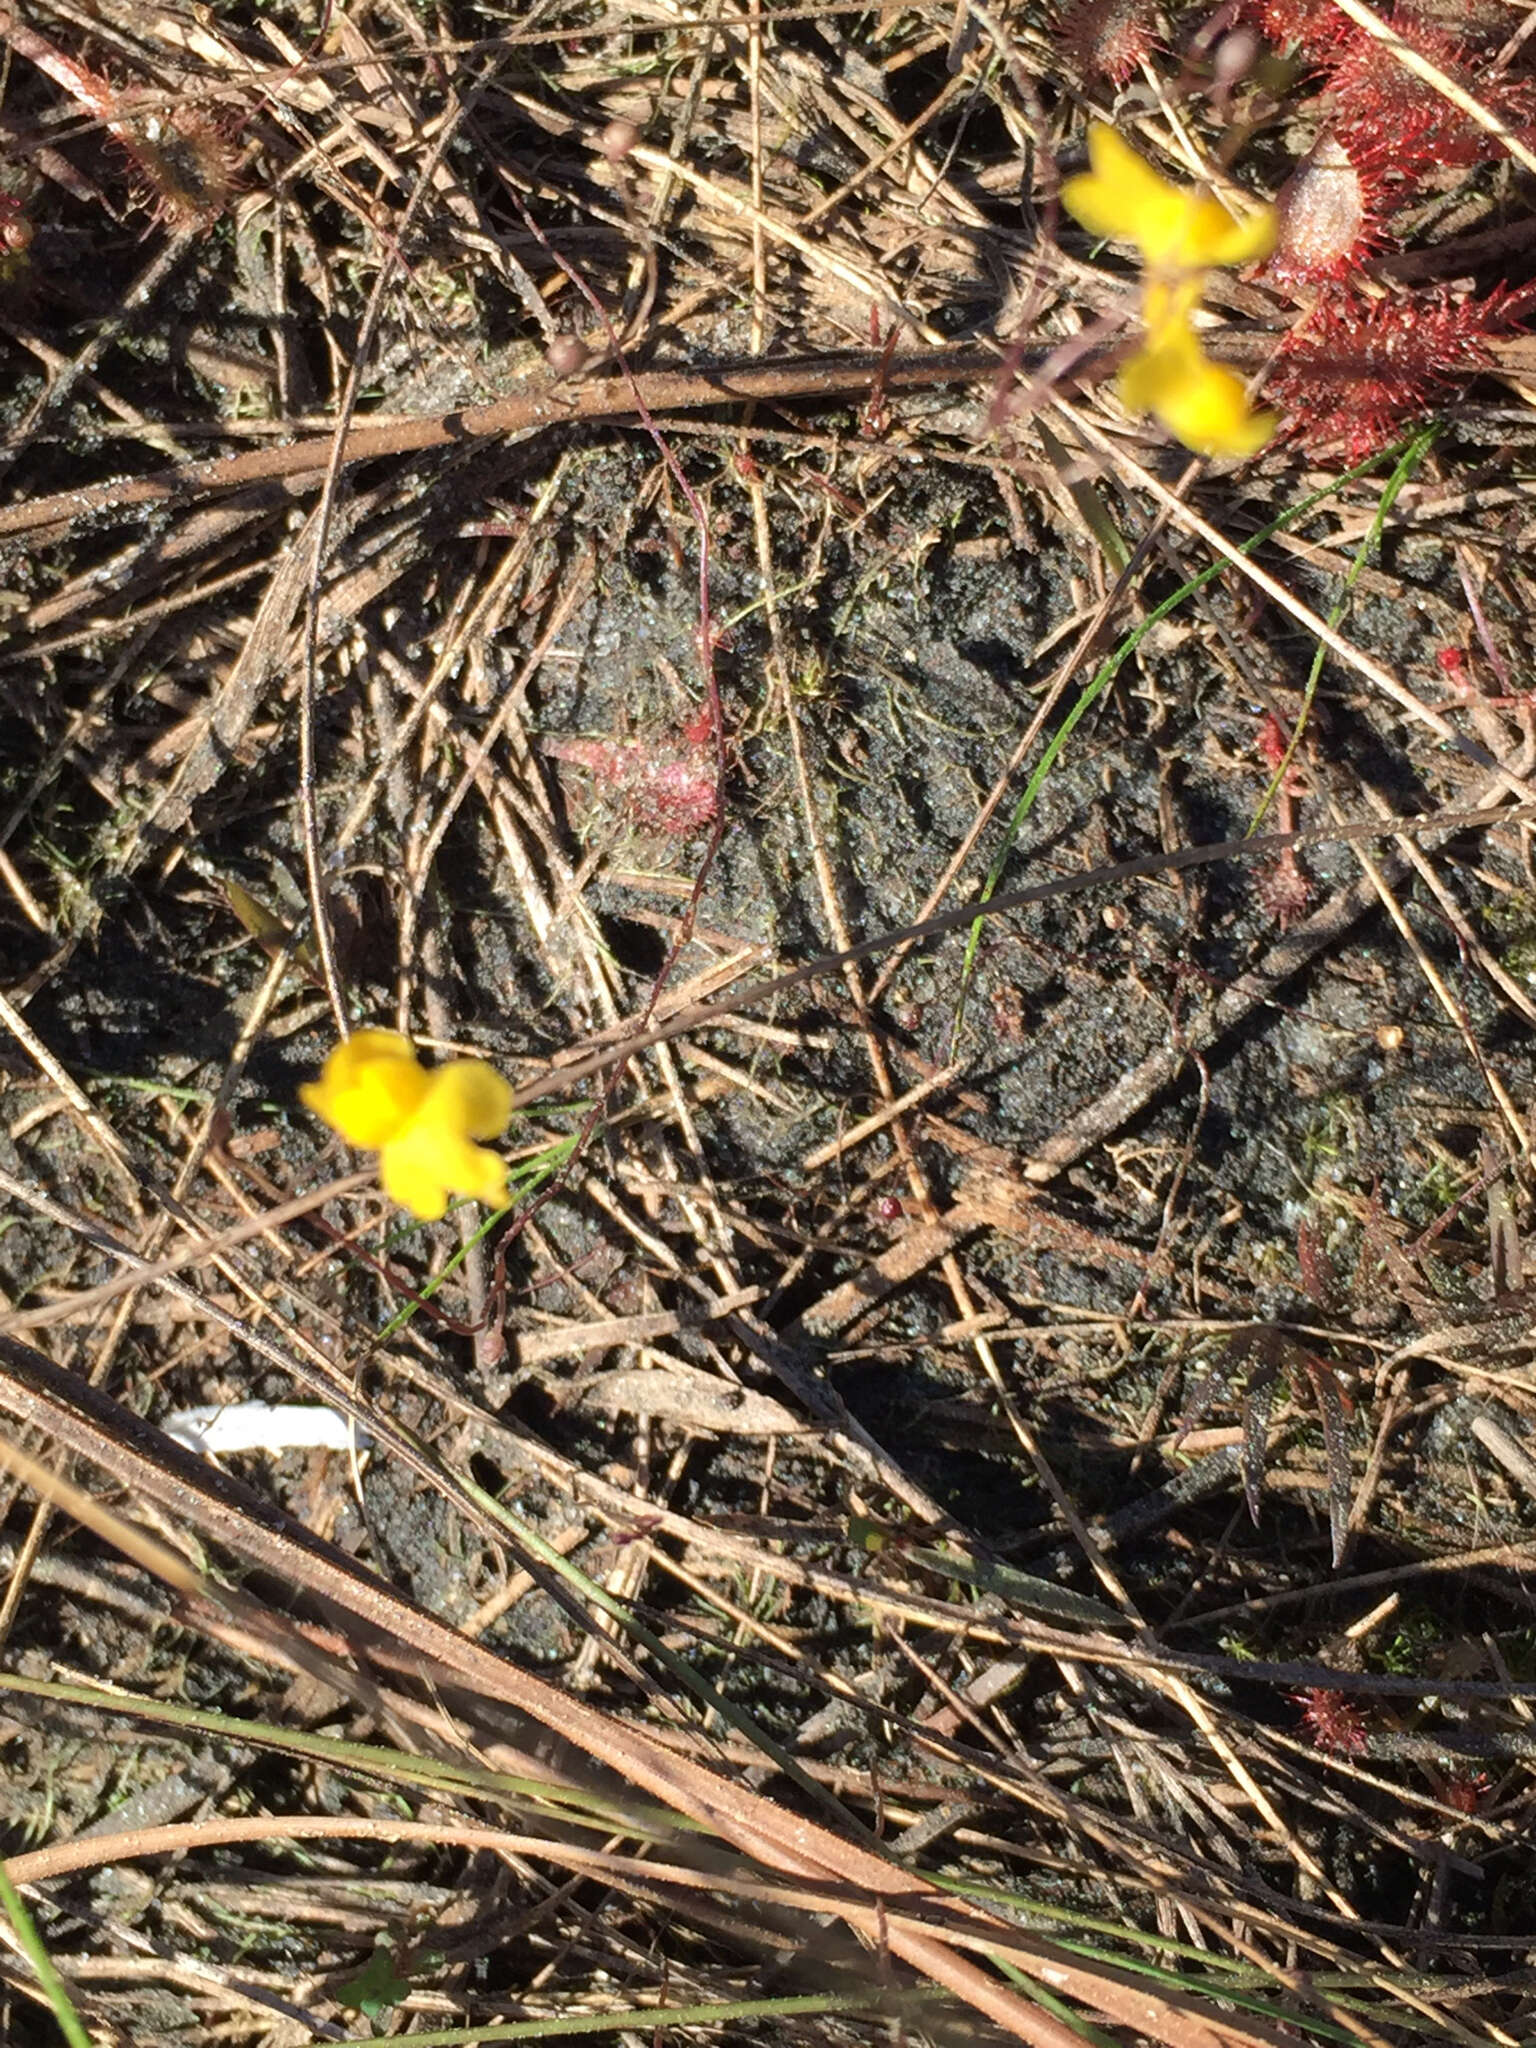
[
  {"x": 369, "y": 1088},
  {"x": 1123, "y": 198},
  {"x": 1201, "y": 403},
  {"x": 411, "y": 1176},
  {"x": 1224, "y": 243},
  {"x": 1176, "y": 231},
  {"x": 471, "y": 1097},
  {"x": 430, "y": 1161}
]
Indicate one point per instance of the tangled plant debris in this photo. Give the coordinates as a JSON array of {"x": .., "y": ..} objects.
[{"x": 788, "y": 1561}]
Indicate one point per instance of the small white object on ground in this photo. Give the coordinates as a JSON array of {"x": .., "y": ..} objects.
[{"x": 229, "y": 1426}]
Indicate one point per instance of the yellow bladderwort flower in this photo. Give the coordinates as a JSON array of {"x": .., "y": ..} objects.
[
  {"x": 424, "y": 1123},
  {"x": 1179, "y": 235}
]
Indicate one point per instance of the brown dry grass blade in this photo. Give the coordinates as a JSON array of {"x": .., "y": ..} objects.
[
  {"x": 547, "y": 404},
  {"x": 878, "y": 1900},
  {"x": 1330, "y": 1401},
  {"x": 1167, "y": 2016}
]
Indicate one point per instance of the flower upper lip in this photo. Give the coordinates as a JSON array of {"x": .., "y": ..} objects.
[{"x": 1176, "y": 232}]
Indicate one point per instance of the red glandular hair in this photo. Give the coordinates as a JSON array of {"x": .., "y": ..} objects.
[
  {"x": 187, "y": 162},
  {"x": 1383, "y": 108},
  {"x": 1333, "y": 1720},
  {"x": 1355, "y": 372},
  {"x": 1315, "y": 27},
  {"x": 1107, "y": 38}
]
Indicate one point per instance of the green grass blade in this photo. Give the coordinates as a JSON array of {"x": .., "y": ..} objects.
[
  {"x": 32, "y": 1948},
  {"x": 442, "y": 1777},
  {"x": 652, "y": 2017},
  {"x": 1020, "y": 1589},
  {"x": 526, "y": 1180}
]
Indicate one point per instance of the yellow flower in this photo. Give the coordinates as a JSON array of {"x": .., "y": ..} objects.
[
  {"x": 1177, "y": 232},
  {"x": 1180, "y": 235},
  {"x": 423, "y": 1123}
]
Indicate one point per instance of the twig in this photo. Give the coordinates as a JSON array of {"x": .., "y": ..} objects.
[{"x": 551, "y": 404}]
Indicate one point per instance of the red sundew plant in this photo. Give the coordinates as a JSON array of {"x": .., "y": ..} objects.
[
  {"x": 1389, "y": 131},
  {"x": 667, "y": 784},
  {"x": 1282, "y": 888},
  {"x": 1315, "y": 27},
  {"x": 1333, "y": 1720},
  {"x": 1458, "y": 668},
  {"x": 1107, "y": 38},
  {"x": 1468, "y": 1791},
  {"x": 1355, "y": 371},
  {"x": 1281, "y": 884},
  {"x": 187, "y": 161},
  {"x": 1382, "y": 106},
  {"x": 181, "y": 152}
]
